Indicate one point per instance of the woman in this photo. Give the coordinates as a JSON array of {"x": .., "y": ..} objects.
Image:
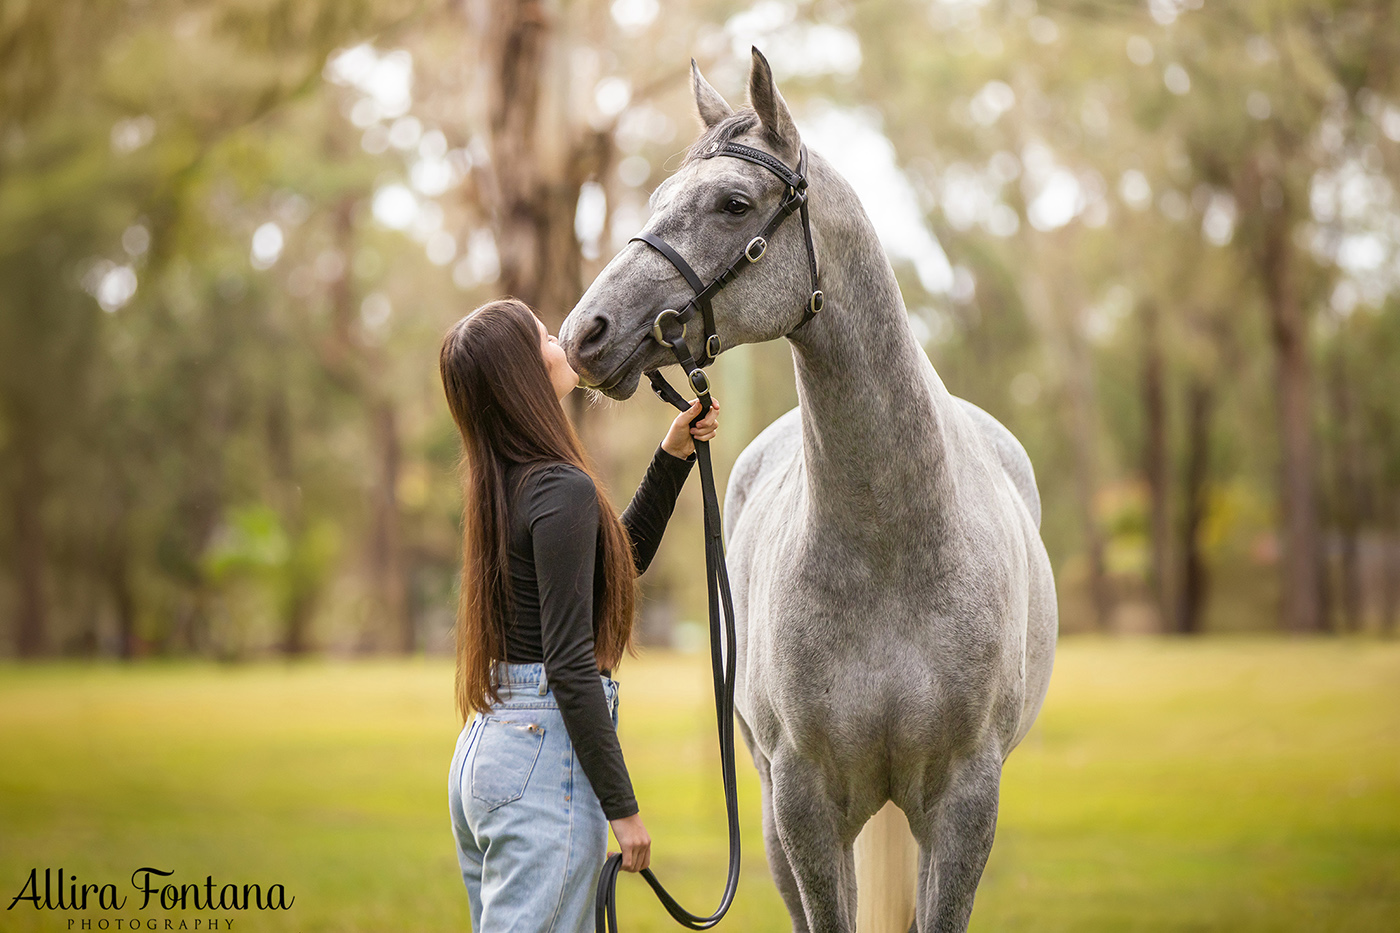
[{"x": 548, "y": 591}]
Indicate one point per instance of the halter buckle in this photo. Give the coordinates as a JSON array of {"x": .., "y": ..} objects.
[
  {"x": 712, "y": 347},
  {"x": 699, "y": 382},
  {"x": 817, "y": 301},
  {"x": 757, "y": 243},
  {"x": 657, "y": 327}
]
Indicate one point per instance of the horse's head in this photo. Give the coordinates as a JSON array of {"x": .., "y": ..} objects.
[{"x": 707, "y": 212}]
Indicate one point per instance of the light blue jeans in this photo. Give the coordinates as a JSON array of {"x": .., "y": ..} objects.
[{"x": 531, "y": 835}]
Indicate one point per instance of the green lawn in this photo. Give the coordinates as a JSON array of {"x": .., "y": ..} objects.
[{"x": 1209, "y": 785}]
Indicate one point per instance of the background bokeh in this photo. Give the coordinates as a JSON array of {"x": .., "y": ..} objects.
[{"x": 1159, "y": 240}]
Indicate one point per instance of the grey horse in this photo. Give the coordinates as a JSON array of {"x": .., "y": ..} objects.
[{"x": 896, "y": 613}]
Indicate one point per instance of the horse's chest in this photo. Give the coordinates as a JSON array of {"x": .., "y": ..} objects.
[
  {"x": 831, "y": 604},
  {"x": 874, "y": 672},
  {"x": 859, "y": 647}
]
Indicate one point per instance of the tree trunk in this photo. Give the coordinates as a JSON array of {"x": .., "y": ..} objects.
[
  {"x": 1390, "y": 567},
  {"x": 386, "y": 540},
  {"x": 123, "y": 599},
  {"x": 31, "y": 618},
  {"x": 514, "y": 47},
  {"x": 1057, "y": 318},
  {"x": 1156, "y": 466},
  {"x": 1081, "y": 415},
  {"x": 535, "y": 175},
  {"x": 1348, "y": 493},
  {"x": 358, "y": 368},
  {"x": 1300, "y": 576},
  {"x": 341, "y": 350},
  {"x": 1195, "y": 580},
  {"x": 296, "y": 624},
  {"x": 301, "y": 585},
  {"x": 533, "y": 184}
]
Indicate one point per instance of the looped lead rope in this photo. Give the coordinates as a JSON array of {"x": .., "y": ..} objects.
[{"x": 722, "y": 660}]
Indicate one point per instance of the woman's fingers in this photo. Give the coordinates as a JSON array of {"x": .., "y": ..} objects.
[
  {"x": 634, "y": 841},
  {"x": 707, "y": 423},
  {"x": 703, "y": 429}
]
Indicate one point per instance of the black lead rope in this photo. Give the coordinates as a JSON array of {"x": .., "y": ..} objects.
[
  {"x": 669, "y": 330},
  {"x": 722, "y": 666}
]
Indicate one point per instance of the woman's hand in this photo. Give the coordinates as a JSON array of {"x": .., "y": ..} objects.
[
  {"x": 680, "y": 439},
  {"x": 636, "y": 844}
]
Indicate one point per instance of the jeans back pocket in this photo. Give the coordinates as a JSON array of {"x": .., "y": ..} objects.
[{"x": 506, "y": 752}]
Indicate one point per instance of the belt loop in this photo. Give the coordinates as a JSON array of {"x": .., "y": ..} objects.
[{"x": 544, "y": 683}]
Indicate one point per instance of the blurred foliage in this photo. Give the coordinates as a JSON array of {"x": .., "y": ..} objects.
[{"x": 232, "y": 234}]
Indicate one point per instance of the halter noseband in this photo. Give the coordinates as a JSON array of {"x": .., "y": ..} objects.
[{"x": 795, "y": 199}]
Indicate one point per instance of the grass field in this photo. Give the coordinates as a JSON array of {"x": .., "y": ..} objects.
[{"x": 1231, "y": 785}]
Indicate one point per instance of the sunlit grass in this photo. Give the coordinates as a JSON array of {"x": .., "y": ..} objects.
[
  {"x": 1215, "y": 785},
  {"x": 1212, "y": 785}
]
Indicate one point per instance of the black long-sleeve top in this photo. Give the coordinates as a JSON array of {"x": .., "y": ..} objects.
[{"x": 556, "y": 578}]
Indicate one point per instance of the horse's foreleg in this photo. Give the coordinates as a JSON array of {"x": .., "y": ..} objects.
[
  {"x": 955, "y": 834},
  {"x": 778, "y": 864},
  {"x": 809, "y": 832}
]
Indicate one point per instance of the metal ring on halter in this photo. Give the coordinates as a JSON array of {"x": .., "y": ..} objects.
[
  {"x": 762, "y": 248},
  {"x": 712, "y": 347},
  {"x": 817, "y": 302},
  {"x": 659, "y": 334}
]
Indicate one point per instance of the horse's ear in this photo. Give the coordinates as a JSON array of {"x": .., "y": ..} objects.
[
  {"x": 772, "y": 110},
  {"x": 712, "y": 107}
]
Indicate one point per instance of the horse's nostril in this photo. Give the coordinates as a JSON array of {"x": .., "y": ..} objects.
[{"x": 596, "y": 329}]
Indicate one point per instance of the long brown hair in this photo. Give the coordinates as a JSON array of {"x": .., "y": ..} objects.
[{"x": 500, "y": 395}]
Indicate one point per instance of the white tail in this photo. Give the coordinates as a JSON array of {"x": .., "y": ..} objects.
[{"x": 887, "y": 866}]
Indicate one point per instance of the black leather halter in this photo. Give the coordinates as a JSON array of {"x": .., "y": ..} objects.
[{"x": 794, "y": 199}]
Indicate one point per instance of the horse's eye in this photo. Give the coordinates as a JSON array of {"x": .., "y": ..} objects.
[{"x": 735, "y": 206}]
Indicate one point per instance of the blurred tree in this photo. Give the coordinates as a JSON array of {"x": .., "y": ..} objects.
[
  {"x": 1225, "y": 116},
  {"x": 108, "y": 126},
  {"x": 230, "y": 231}
]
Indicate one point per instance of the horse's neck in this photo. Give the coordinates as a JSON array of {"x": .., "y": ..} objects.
[{"x": 873, "y": 410}]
